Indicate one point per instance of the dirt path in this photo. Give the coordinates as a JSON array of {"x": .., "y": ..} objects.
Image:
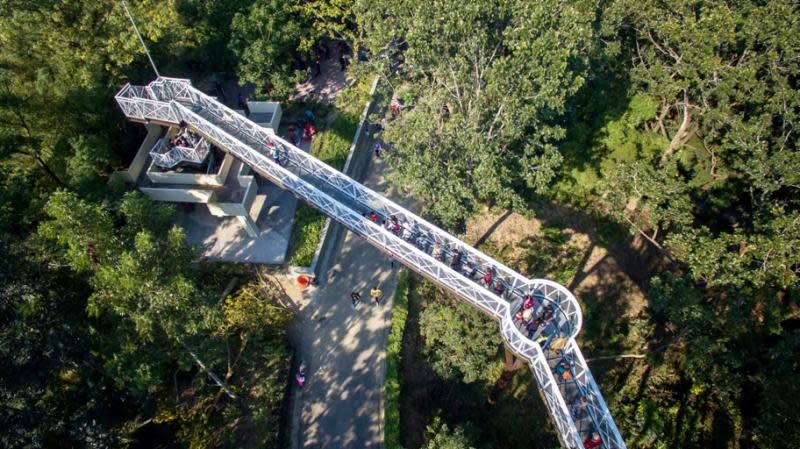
[{"x": 325, "y": 85}]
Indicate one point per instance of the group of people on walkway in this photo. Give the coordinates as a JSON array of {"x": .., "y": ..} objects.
[
  {"x": 580, "y": 401},
  {"x": 535, "y": 316},
  {"x": 454, "y": 256},
  {"x": 322, "y": 53},
  {"x": 528, "y": 320},
  {"x": 185, "y": 137},
  {"x": 277, "y": 152},
  {"x": 304, "y": 130}
]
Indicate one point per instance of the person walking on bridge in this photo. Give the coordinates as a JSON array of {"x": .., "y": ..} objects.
[
  {"x": 593, "y": 442},
  {"x": 376, "y": 294},
  {"x": 487, "y": 278}
]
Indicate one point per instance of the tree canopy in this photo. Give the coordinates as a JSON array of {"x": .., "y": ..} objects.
[
  {"x": 675, "y": 122},
  {"x": 478, "y": 104}
]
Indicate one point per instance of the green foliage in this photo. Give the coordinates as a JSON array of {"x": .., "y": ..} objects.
[
  {"x": 141, "y": 212},
  {"x": 777, "y": 418},
  {"x": 595, "y": 154},
  {"x": 85, "y": 169},
  {"x": 207, "y": 24},
  {"x": 154, "y": 318},
  {"x": 306, "y": 234},
  {"x": 721, "y": 125},
  {"x": 85, "y": 230},
  {"x": 762, "y": 259},
  {"x": 263, "y": 38},
  {"x": 248, "y": 312},
  {"x": 49, "y": 384},
  {"x": 442, "y": 437},
  {"x": 263, "y": 369},
  {"x": 479, "y": 103},
  {"x": 393, "y": 350},
  {"x": 153, "y": 297},
  {"x": 459, "y": 342},
  {"x": 332, "y": 19},
  {"x": 710, "y": 358},
  {"x": 332, "y": 144},
  {"x": 19, "y": 199}
]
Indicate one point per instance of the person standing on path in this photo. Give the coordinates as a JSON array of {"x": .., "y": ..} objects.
[
  {"x": 376, "y": 294},
  {"x": 356, "y": 298}
]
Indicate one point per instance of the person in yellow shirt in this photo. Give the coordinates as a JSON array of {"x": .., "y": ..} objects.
[{"x": 376, "y": 294}]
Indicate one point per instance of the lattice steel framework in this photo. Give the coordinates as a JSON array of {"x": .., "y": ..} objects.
[
  {"x": 168, "y": 156},
  {"x": 171, "y": 100}
]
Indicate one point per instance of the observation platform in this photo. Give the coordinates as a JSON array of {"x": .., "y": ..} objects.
[{"x": 231, "y": 213}]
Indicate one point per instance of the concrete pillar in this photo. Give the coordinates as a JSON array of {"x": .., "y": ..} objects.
[{"x": 249, "y": 225}]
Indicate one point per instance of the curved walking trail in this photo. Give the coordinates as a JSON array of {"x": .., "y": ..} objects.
[{"x": 341, "y": 405}]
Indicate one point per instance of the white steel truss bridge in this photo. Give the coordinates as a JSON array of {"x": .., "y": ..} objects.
[{"x": 569, "y": 391}]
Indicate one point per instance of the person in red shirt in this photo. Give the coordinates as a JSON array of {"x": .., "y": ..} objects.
[
  {"x": 593, "y": 442},
  {"x": 309, "y": 131},
  {"x": 374, "y": 217},
  {"x": 487, "y": 278}
]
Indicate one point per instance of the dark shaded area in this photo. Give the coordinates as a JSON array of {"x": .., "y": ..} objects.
[{"x": 510, "y": 422}]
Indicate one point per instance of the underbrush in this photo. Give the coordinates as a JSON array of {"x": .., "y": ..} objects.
[
  {"x": 393, "y": 358},
  {"x": 308, "y": 224}
]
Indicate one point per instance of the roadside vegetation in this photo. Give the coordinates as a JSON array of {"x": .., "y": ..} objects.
[
  {"x": 336, "y": 129},
  {"x": 392, "y": 434},
  {"x": 306, "y": 234}
]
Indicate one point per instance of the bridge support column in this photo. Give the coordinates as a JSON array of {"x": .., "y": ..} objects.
[{"x": 249, "y": 225}]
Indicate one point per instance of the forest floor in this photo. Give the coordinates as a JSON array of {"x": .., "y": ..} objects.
[
  {"x": 325, "y": 85},
  {"x": 607, "y": 265}
]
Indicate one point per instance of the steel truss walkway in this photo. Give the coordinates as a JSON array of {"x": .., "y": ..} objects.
[{"x": 574, "y": 401}]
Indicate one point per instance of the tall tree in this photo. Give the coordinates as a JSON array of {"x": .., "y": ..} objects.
[
  {"x": 491, "y": 83},
  {"x": 163, "y": 316},
  {"x": 441, "y": 436},
  {"x": 265, "y": 38},
  {"x": 57, "y": 115},
  {"x": 460, "y": 342},
  {"x": 721, "y": 191},
  {"x": 50, "y": 386}
]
